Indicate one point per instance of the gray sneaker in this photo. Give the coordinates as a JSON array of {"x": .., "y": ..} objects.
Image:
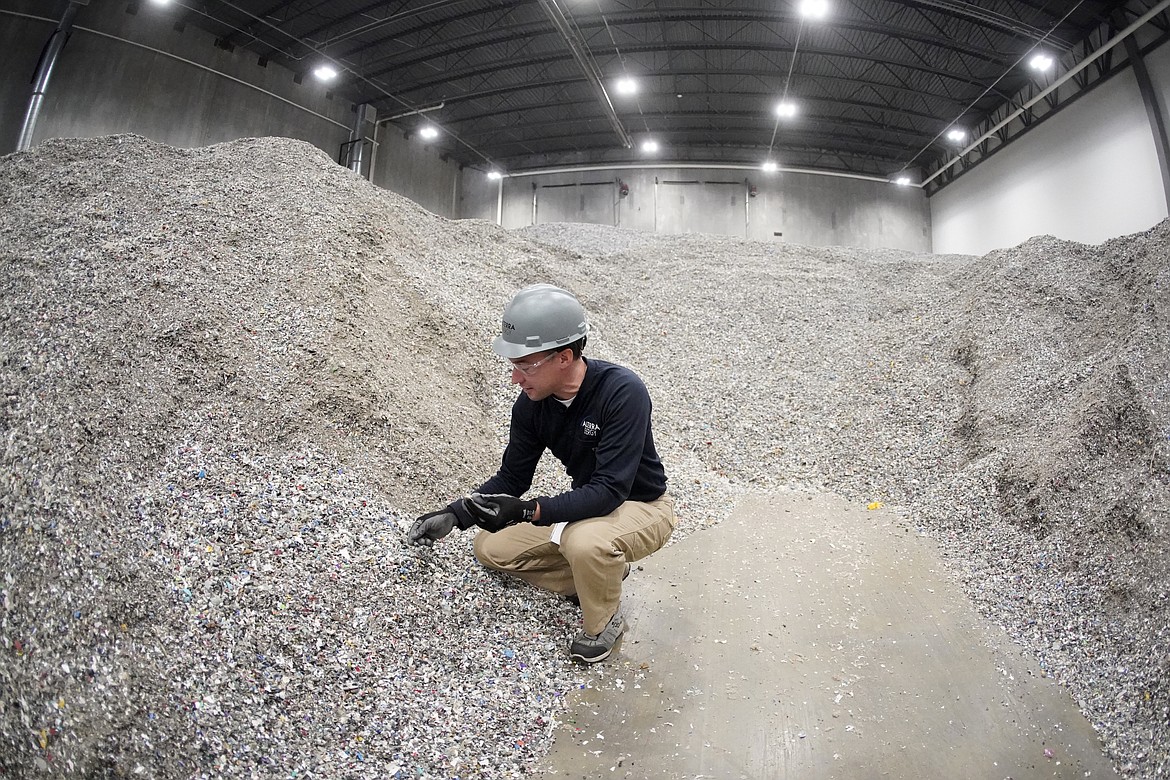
[{"x": 591, "y": 649}]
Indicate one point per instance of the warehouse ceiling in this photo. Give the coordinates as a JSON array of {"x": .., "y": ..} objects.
[{"x": 877, "y": 85}]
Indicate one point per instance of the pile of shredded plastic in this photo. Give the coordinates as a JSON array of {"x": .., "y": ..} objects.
[{"x": 233, "y": 376}]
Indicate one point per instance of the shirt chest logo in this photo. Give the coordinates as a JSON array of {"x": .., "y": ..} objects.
[{"x": 590, "y": 429}]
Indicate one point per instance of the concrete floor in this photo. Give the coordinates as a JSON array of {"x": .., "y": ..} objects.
[{"x": 809, "y": 638}]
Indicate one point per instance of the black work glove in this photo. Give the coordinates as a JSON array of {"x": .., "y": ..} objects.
[
  {"x": 495, "y": 511},
  {"x": 431, "y": 527}
]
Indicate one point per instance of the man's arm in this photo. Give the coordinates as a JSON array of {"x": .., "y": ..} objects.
[
  {"x": 625, "y": 424},
  {"x": 518, "y": 464}
]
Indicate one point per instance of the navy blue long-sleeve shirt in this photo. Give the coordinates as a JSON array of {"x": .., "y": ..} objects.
[{"x": 603, "y": 439}]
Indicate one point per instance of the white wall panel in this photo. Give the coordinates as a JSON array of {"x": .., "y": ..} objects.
[{"x": 1088, "y": 173}]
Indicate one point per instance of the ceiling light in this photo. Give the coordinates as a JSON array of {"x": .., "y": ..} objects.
[
  {"x": 626, "y": 86},
  {"x": 814, "y": 9},
  {"x": 902, "y": 181},
  {"x": 494, "y": 174},
  {"x": 650, "y": 146},
  {"x": 956, "y": 135},
  {"x": 161, "y": 2},
  {"x": 786, "y": 110},
  {"x": 325, "y": 72},
  {"x": 770, "y": 166},
  {"x": 1041, "y": 62},
  {"x": 428, "y": 132}
]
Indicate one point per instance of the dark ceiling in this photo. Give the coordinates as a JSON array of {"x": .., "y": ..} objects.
[{"x": 525, "y": 84}]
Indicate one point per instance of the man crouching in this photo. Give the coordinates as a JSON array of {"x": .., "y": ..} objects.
[{"x": 594, "y": 416}]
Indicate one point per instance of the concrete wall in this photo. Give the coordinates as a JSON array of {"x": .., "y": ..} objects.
[
  {"x": 412, "y": 168},
  {"x": 135, "y": 73},
  {"x": 804, "y": 208},
  {"x": 1088, "y": 173}
]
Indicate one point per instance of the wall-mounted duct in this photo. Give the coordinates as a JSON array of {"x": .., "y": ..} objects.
[{"x": 45, "y": 67}]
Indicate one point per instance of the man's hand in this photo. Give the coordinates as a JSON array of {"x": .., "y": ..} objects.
[
  {"x": 431, "y": 527},
  {"x": 495, "y": 511}
]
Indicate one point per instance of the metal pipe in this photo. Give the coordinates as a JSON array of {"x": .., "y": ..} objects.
[
  {"x": 500, "y": 201},
  {"x": 356, "y": 140},
  {"x": 383, "y": 120},
  {"x": 655, "y": 204},
  {"x": 747, "y": 208},
  {"x": 374, "y": 149},
  {"x": 580, "y": 50},
  {"x": 701, "y": 166},
  {"x": 45, "y": 67}
]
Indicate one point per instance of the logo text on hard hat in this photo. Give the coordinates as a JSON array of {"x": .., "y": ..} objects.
[{"x": 509, "y": 326}]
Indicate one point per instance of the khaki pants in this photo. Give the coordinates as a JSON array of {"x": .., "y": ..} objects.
[{"x": 590, "y": 559}]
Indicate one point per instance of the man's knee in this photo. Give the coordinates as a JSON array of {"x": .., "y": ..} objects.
[
  {"x": 487, "y": 549},
  {"x": 590, "y": 540}
]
